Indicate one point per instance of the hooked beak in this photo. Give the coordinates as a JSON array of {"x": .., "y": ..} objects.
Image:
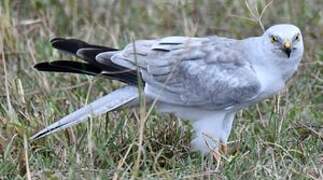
[{"x": 287, "y": 47}]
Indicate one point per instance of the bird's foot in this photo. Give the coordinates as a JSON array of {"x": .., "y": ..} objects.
[{"x": 219, "y": 152}]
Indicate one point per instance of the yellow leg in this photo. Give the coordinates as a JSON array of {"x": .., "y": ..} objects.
[
  {"x": 216, "y": 155},
  {"x": 224, "y": 148},
  {"x": 221, "y": 151}
]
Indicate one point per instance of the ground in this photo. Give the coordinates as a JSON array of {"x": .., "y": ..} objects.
[{"x": 280, "y": 138}]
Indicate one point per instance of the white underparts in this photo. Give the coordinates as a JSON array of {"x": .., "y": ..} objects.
[
  {"x": 211, "y": 128},
  {"x": 212, "y": 131}
]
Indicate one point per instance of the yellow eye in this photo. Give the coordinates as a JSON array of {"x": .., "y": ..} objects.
[
  {"x": 297, "y": 37},
  {"x": 274, "y": 39}
]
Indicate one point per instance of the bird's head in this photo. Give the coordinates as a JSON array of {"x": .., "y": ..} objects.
[{"x": 284, "y": 40}]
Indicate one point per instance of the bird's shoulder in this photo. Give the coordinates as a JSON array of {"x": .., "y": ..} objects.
[
  {"x": 208, "y": 72},
  {"x": 168, "y": 50}
]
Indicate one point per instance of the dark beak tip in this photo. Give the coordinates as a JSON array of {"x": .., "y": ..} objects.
[{"x": 288, "y": 51}]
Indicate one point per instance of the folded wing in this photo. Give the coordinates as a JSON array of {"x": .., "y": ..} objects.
[{"x": 209, "y": 73}]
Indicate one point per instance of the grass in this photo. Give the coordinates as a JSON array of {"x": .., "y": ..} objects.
[{"x": 280, "y": 138}]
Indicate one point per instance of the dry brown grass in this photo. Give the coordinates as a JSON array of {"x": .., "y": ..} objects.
[{"x": 281, "y": 138}]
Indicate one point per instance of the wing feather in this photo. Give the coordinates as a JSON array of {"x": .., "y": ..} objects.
[{"x": 210, "y": 73}]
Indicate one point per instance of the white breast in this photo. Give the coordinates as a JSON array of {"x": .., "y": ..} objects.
[{"x": 270, "y": 79}]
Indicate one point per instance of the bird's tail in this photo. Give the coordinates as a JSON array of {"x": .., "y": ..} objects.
[{"x": 110, "y": 102}]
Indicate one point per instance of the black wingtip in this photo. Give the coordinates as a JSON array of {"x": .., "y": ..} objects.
[
  {"x": 56, "y": 39},
  {"x": 40, "y": 66},
  {"x": 48, "y": 67},
  {"x": 72, "y": 45},
  {"x": 67, "y": 45},
  {"x": 91, "y": 66}
]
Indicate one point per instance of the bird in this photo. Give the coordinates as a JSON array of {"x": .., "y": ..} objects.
[{"x": 205, "y": 80}]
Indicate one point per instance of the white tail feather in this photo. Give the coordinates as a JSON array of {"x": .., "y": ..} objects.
[{"x": 102, "y": 105}]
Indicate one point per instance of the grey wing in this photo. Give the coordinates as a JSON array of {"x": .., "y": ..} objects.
[{"x": 209, "y": 73}]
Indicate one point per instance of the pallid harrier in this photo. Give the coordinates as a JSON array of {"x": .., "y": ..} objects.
[{"x": 205, "y": 80}]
